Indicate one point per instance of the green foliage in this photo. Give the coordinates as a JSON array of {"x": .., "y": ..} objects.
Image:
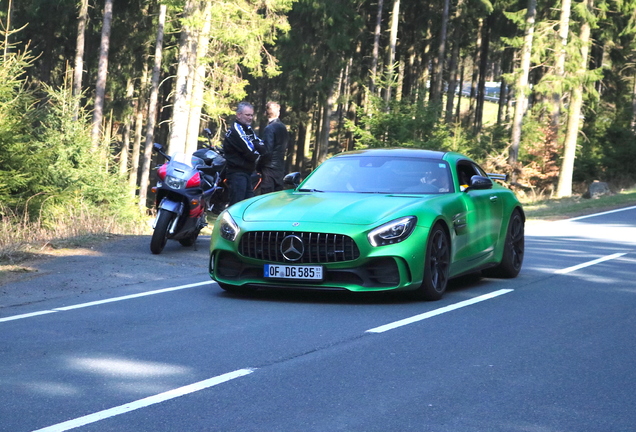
[
  {"x": 16, "y": 104},
  {"x": 322, "y": 38},
  {"x": 69, "y": 171},
  {"x": 596, "y": 159},
  {"x": 241, "y": 31},
  {"x": 46, "y": 163},
  {"x": 406, "y": 124}
]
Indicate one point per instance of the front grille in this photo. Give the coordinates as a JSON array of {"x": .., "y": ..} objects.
[{"x": 318, "y": 247}]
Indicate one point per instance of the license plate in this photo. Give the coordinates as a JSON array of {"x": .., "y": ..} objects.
[{"x": 279, "y": 271}]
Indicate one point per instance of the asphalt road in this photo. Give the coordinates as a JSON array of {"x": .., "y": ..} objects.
[{"x": 120, "y": 340}]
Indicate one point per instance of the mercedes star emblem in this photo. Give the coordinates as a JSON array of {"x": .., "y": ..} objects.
[{"x": 292, "y": 248}]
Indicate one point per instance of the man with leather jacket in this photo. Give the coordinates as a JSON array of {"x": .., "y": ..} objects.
[
  {"x": 241, "y": 148},
  {"x": 272, "y": 163}
]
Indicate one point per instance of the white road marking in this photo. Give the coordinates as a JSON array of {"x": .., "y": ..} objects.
[
  {"x": 600, "y": 214},
  {"x": 99, "y": 302},
  {"x": 27, "y": 315},
  {"x": 436, "y": 312},
  {"x": 142, "y": 403},
  {"x": 590, "y": 263}
]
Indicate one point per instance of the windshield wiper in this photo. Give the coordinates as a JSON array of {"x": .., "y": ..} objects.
[{"x": 309, "y": 190}]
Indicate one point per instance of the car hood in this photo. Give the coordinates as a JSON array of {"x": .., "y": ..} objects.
[{"x": 347, "y": 208}]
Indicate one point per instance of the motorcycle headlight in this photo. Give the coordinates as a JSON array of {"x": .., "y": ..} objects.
[
  {"x": 228, "y": 228},
  {"x": 175, "y": 182},
  {"x": 392, "y": 232}
]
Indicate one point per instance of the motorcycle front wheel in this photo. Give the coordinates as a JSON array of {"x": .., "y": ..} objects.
[{"x": 160, "y": 234}]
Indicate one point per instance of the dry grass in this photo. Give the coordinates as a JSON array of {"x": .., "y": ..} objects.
[
  {"x": 22, "y": 239},
  {"x": 576, "y": 205}
]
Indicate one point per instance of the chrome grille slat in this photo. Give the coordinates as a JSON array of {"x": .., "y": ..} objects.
[{"x": 319, "y": 247}]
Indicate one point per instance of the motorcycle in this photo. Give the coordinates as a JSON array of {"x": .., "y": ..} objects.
[{"x": 188, "y": 185}]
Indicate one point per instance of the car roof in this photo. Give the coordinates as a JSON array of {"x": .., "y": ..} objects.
[{"x": 396, "y": 152}]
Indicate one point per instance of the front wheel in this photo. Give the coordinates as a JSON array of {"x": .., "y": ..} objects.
[
  {"x": 436, "y": 266},
  {"x": 160, "y": 234}
]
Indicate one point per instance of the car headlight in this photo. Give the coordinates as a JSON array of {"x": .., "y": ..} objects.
[
  {"x": 392, "y": 232},
  {"x": 175, "y": 182},
  {"x": 228, "y": 228}
]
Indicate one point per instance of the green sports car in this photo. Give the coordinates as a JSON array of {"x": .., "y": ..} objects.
[{"x": 372, "y": 220}]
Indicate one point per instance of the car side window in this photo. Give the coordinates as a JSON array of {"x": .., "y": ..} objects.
[
  {"x": 464, "y": 172},
  {"x": 480, "y": 171}
]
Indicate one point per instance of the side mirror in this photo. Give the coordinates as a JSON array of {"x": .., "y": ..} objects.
[
  {"x": 292, "y": 179},
  {"x": 480, "y": 183}
]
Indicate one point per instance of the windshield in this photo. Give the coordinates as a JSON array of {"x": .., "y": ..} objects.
[
  {"x": 186, "y": 159},
  {"x": 379, "y": 174}
]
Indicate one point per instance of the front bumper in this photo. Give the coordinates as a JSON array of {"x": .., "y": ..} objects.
[{"x": 371, "y": 274}]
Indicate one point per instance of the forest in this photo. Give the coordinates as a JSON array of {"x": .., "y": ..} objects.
[{"x": 543, "y": 91}]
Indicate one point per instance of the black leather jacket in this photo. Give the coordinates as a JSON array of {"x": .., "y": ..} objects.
[
  {"x": 276, "y": 138},
  {"x": 241, "y": 148}
]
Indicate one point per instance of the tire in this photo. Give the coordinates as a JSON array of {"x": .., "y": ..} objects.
[
  {"x": 436, "y": 266},
  {"x": 513, "y": 252},
  {"x": 160, "y": 234},
  {"x": 190, "y": 240}
]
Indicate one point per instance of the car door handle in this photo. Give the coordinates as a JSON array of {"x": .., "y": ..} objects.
[{"x": 493, "y": 198}]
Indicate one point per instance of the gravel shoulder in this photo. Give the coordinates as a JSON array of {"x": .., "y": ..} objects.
[{"x": 106, "y": 265}]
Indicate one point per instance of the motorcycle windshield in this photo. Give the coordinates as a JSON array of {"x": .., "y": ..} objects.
[{"x": 187, "y": 159}]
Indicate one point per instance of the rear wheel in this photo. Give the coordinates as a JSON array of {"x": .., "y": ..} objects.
[
  {"x": 512, "y": 258},
  {"x": 160, "y": 234},
  {"x": 436, "y": 266}
]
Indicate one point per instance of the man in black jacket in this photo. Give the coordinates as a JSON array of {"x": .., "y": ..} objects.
[
  {"x": 272, "y": 163},
  {"x": 241, "y": 149}
]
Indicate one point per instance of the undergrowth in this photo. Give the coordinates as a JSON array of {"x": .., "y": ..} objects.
[{"x": 23, "y": 235}]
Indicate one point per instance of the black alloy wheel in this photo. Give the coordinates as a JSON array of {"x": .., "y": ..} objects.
[{"x": 436, "y": 266}]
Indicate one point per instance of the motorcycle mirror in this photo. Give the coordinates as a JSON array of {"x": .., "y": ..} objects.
[
  {"x": 207, "y": 132},
  {"x": 157, "y": 146}
]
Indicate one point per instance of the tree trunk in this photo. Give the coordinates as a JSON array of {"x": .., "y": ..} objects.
[
  {"x": 125, "y": 139},
  {"x": 521, "y": 87},
  {"x": 559, "y": 71},
  {"x": 483, "y": 64},
  {"x": 390, "y": 67},
  {"x": 7, "y": 30},
  {"x": 152, "y": 110},
  {"x": 634, "y": 105},
  {"x": 436, "y": 85},
  {"x": 79, "y": 56},
  {"x": 140, "y": 109},
  {"x": 458, "y": 106},
  {"x": 376, "y": 47},
  {"x": 452, "y": 78},
  {"x": 564, "y": 188},
  {"x": 475, "y": 74},
  {"x": 102, "y": 72},
  {"x": 198, "y": 81},
  {"x": 183, "y": 86}
]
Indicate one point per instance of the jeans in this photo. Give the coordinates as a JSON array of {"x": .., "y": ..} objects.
[{"x": 240, "y": 186}]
